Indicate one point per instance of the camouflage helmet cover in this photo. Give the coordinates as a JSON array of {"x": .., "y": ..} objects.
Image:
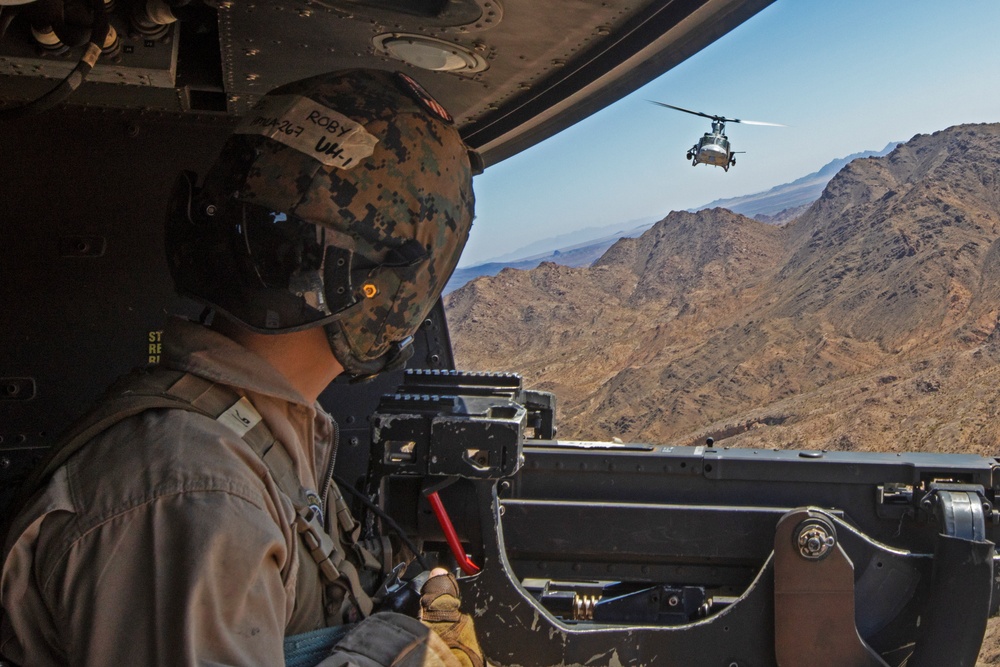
[{"x": 372, "y": 166}]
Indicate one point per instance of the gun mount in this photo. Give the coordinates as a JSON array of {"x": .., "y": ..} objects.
[{"x": 601, "y": 553}]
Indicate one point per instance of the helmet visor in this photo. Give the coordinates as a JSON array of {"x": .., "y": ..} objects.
[{"x": 295, "y": 274}]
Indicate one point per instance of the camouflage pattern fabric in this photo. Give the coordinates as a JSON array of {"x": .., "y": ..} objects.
[{"x": 404, "y": 211}]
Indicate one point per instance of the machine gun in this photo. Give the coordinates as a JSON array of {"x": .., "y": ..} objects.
[{"x": 632, "y": 554}]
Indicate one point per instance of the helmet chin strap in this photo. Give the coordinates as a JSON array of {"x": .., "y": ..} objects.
[
  {"x": 395, "y": 359},
  {"x": 363, "y": 370}
]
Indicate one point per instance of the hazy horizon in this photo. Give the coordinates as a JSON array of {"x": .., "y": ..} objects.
[{"x": 845, "y": 77}]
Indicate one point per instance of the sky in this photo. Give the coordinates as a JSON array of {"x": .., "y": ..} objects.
[{"x": 844, "y": 75}]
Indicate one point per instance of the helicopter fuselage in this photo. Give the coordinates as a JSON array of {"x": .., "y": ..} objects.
[{"x": 713, "y": 149}]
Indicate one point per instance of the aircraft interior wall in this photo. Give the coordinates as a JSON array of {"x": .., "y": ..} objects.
[{"x": 85, "y": 286}]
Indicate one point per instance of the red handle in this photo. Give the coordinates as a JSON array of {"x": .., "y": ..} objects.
[{"x": 449, "y": 533}]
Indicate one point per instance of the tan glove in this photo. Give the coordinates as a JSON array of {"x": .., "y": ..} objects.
[{"x": 439, "y": 605}]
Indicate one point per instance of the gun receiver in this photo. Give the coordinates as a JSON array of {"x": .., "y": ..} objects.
[{"x": 634, "y": 554}]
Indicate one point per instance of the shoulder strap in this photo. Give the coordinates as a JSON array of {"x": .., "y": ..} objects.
[
  {"x": 120, "y": 403},
  {"x": 235, "y": 411},
  {"x": 161, "y": 388}
]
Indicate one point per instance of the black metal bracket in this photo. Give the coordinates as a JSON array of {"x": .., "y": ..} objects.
[
  {"x": 962, "y": 582},
  {"x": 961, "y": 509},
  {"x": 515, "y": 629}
]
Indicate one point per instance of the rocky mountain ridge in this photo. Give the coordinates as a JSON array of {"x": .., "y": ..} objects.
[
  {"x": 712, "y": 321},
  {"x": 778, "y": 205},
  {"x": 795, "y": 195}
]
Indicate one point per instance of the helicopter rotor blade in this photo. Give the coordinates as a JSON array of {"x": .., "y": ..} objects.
[
  {"x": 722, "y": 119},
  {"x": 752, "y": 122},
  {"x": 694, "y": 113}
]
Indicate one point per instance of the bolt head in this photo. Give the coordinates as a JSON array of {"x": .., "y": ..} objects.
[{"x": 814, "y": 540}]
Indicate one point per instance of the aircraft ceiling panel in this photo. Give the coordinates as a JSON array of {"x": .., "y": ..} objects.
[
  {"x": 512, "y": 72},
  {"x": 265, "y": 44}
]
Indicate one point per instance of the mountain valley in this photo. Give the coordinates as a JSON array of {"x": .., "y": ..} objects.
[{"x": 710, "y": 319}]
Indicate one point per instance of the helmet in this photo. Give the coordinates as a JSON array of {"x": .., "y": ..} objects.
[{"x": 343, "y": 201}]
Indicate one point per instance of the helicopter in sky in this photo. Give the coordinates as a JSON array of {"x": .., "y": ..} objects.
[{"x": 714, "y": 148}]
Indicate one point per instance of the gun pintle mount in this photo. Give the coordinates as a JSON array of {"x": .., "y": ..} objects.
[{"x": 635, "y": 554}]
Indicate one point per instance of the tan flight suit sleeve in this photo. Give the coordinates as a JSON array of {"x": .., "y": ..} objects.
[{"x": 188, "y": 578}]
